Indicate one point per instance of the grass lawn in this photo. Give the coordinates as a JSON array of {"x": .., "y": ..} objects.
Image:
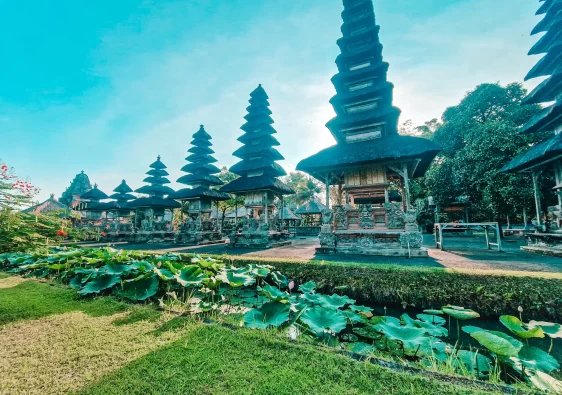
[{"x": 54, "y": 343}]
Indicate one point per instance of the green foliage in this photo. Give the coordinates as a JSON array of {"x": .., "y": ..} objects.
[
  {"x": 305, "y": 187},
  {"x": 321, "y": 320},
  {"x": 516, "y": 327},
  {"x": 460, "y": 313},
  {"x": 269, "y": 314}
]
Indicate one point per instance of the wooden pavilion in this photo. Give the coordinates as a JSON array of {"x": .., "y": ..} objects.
[
  {"x": 370, "y": 159},
  {"x": 258, "y": 181},
  {"x": 199, "y": 227},
  {"x": 121, "y": 226}
]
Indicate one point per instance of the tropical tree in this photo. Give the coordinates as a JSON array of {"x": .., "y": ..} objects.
[
  {"x": 227, "y": 176},
  {"x": 306, "y": 188}
]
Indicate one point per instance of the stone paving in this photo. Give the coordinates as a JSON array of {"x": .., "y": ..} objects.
[{"x": 461, "y": 252}]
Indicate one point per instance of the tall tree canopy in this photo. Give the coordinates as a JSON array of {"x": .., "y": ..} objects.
[
  {"x": 478, "y": 137},
  {"x": 305, "y": 188}
]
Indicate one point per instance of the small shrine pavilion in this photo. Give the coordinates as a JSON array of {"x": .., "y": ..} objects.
[
  {"x": 152, "y": 209},
  {"x": 199, "y": 228},
  {"x": 258, "y": 181},
  {"x": 370, "y": 160},
  {"x": 121, "y": 226},
  {"x": 92, "y": 209},
  {"x": 545, "y": 157}
]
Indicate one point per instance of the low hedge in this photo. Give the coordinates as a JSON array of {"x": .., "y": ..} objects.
[{"x": 490, "y": 293}]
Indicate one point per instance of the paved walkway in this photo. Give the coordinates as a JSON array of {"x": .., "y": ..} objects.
[{"x": 461, "y": 252}]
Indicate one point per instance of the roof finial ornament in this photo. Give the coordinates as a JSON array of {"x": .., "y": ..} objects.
[
  {"x": 95, "y": 185},
  {"x": 158, "y": 157},
  {"x": 201, "y": 126}
]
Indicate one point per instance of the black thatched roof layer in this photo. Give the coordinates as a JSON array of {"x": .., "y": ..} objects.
[
  {"x": 264, "y": 163},
  {"x": 197, "y": 193},
  {"x": 190, "y": 179},
  {"x": 48, "y": 205},
  {"x": 244, "y": 184},
  {"x": 122, "y": 196},
  {"x": 546, "y": 120},
  {"x": 155, "y": 190},
  {"x": 542, "y": 152},
  {"x": 153, "y": 201},
  {"x": 158, "y": 164},
  {"x": 157, "y": 172},
  {"x": 123, "y": 188},
  {"x": 157, "y": 180},
  {"x": 288, "y": 215},
  {"x": 94, "y": 194},
  {"x": 313, "y": 206},
  {"x": 374, "y": 151}
]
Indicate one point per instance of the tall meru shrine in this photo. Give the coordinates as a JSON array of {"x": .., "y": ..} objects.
[{"x": 369, "y": 168}]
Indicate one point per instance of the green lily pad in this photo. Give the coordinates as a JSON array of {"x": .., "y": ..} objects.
[
  {"x": 471, "y": 329},
  {"x": 98, "y": 284},
  {"x": 550, "y": 328},
  {"x": 515, "y": 326},
  {"x": 279, "y": 279},
  {"x": 269, "y": 314},
  {"x": 430, "y": 329},
  {"x": 190, "y": 275},
  {"x": 335, "y": 301},
  {"x": 499, "y": 343},
  {"x": 164, "y": 274},
  {"x": 274, "y": 294},
  {"x": 361, "y": 309},
  {"x": 236, "y": 279},
  {"x": 432, "y": 319},
  {"x": 141, "y": 289},
  {"x": 76, "y": 282},
  {"x": 321, "y": 320},
  {"x": 308, "y": 287},
  {"x": 349, "y": 337},
  {"x": 116, "y": 269},
  {"x": 400, "y": 333},
  {"x": 460, "y": 313},
  {"x": 141, "y": 266},
  {"x": 382, "y": 319},
  {"x": 433, "y": 312},
  {"x": 535, "y": 358},
  {"x": 368, "y": 332},
  {"x": 474, "y": 362},
  {"x": 353, "y": 317}
]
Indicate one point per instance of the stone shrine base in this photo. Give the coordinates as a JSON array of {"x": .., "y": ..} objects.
[
  {"x": 397, "y": 243},
  {"x": 259, "y": 240},
  {"x": 199, "y": 238}
]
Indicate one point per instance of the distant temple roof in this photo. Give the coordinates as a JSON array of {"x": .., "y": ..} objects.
[
  {"x": 313, "y": 206},
  {"x": 288, "y": 214},
  {"x": 49, "y": 205},
  {"x": 94, "y": 194}
]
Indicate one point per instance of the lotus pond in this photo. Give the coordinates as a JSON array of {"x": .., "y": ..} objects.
[{"x": 452, "y": 339}]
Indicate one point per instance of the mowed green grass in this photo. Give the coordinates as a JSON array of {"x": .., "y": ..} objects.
[{"x": 211, "y": 359}]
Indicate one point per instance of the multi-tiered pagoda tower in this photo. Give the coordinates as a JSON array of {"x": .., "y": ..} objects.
[
  {"x": 259, "y": 174},
  {"x": 121, "y": 226},
  {"x": 546, "y": 156},
  {"x": 92, "y": 209},
  {"x": 198, "y": 228},
  {"x": 370, "y": 159},
  {"x": 152, "y": 209}
]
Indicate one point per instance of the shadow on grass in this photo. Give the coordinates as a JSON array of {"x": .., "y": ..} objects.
[
  {"x": 138, "y": 313},
  {"x": 216, "y": 360},
  {"x": 33, "y": 300}
]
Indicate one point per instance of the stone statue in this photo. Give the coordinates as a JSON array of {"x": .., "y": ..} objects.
[
  {"x": 147, "y": 225},
  {"x": 366, "y": 218},
  {"x": 340, "y": 216},
  {"x": 410, "y": 220},
  {"x": 394, "y": 215},
  {"x": 327, "y": 217}
]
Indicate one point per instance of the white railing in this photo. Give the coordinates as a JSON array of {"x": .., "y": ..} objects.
[{"x": 439, "y": 227}]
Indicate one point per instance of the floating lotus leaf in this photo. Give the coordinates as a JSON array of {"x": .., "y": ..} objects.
[
  {"x": 141, "y": 266},
  {"x": 361, "y": 309},
  {"x": 349, "y": 337},
  {"x": 274, "y": 294},
  {"x": 279, "y": 279},
  {"x": 190, "y": 275},
  {"x": 353, "y": 317},
  {"x": 474, "y": 362},
  {"x": 236, "y": 279},
  {"x": 515, "y": 326},
  {"x": 140, "y": 289},
  {"x": 362, "y": 348},
  {"x": 432, "y": 319},
  {"x": 308, "y": 287},
  {"x": 535, "y": 358},
  {"x": 550, "y": 328},
  {"x": 430, "y": 329},
  {"x": 100, "y": 283},
  {"x": 321, "y": 320},
  {"x": 546, "y": 382},
  {"x": 460, "y": 313},
  {"x": 269, "y": 314},
  {"x": 498, "y": 343},
  {"x": 311, "y": 299},
  {"x": 174, "y": 267},
  {"x": 368, "y": 332},
  {"x": 116, "y": 269},
  {"x": 471, "y": 329},
  {"x": 382, "y": 319},
  {"x": 433, "y": 312},
  {"x": 441, "y": 350},
  {"x": 164, "y": 274},
  {"x": 400, "y": 333},
  {"x": 335, "y": 301}
]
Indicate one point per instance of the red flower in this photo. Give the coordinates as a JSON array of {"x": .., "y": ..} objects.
[
  {"x": 62, "y": 233},
  {"x": 103, "y": 234}
]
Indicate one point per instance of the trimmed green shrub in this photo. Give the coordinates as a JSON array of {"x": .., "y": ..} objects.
[{"x": 490, "y": 293}]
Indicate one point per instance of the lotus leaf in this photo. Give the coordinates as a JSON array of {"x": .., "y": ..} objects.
[
  {"x": 430, "y": 329},
  {"x": 362, "y": 348},
  {"x": 164, "y": 274},
  {"x": 115, "y": 269},
  {"x": 432, "y": 319},
  {"x": 279, "y": 279},
  {"x": 460, "y": 313},
  {"x": 269, "y": 314},
  {"x": 205, "y": 307},
  {"x": 349, "y": 337},
  {"x": 236, "y": 279},
  {"x": 140, "y": 289},
  {"x": 368, "y": 332},
  {"x": 311, "y": 299},
  {"x": 321, "y": 320},
  {"x": 274, "y": 294},
  {"x": 546, "y": 382},
  {"x": 142, "y": 266},
  {"x": 353, "y": 317},
  {"x": 535, "y": 358},
  {"x": 100, "y": 283},
  {"x": 382, "y": 319},
  {"x": 335, "y": 301},
  {"x": 190, "y": 275},
  {"x": 474, "y": 362},
  {"x": 76, "y": 282},
  {"x": 551, "y": 329},
  {"x": 515, "y": 326},
  {"x": 433, "y": 312},
  {"x": 471, "y": 329},
  {"x": 400, "y": 333},
  {"x": 499, "y": 343},
  {"x": 361, "y": 309},
  {"x": 308, "y": 287}
]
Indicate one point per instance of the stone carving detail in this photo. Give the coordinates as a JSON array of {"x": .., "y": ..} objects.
[
  {"x": 410, "y": 219},
  {"x": 411, "y": 240},
  {"x": 327, "y": 217},
  {"x": 394, "y": 215},
  {"x": 366, "y": 242},
  {"x": 340, "y": 216},
  {"x": 146, "y": 224},
  {"x": 366, "y": 219},
  {"x": 327, "y": 239}
]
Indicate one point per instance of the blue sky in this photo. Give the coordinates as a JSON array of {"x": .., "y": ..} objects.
[{"x": 105, "y": 86}]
